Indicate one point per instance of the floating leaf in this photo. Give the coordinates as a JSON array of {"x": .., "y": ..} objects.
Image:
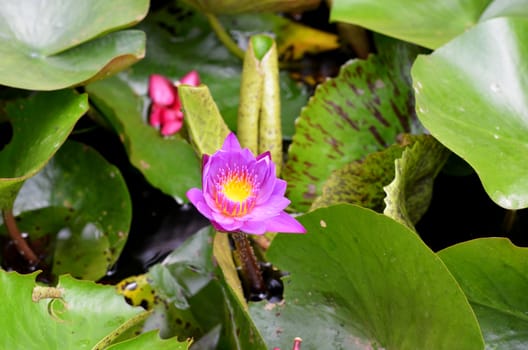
[
  {"x": 53, "y": 44},
  {"x": 353, "y": 296},
  {"x": 479, "y": 110},
  {"x": 409, "y": 194},
  {"x": 422, "y": 22},
  {"x": 77, "y": 316},
  {"x": 169, "y": 164},
  {"x": 359, "y": 112},
  {"x": 492, "y": 272},
  {"x": 84, "y": 206},
  {"x": 361, "y": 182},
  {"x": 41, "y": 123}
]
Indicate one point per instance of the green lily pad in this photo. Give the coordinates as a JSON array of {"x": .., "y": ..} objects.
[
  {"x": 41, "y": 123},
  {"x": 420, "y": 22},
  {"x": 409, "y": 194},
  {"x": 82, "y": 202},
  {"x": 169, "y": 164},
  {"x": 53, "y": 44},
  {"x": 359, "y": 112},
  {"x": 478, "y": 110},
  {"x": 189, "y": 280},
  {"x": 77, "y": 316},
  {"x": 181, "y": 39},
  {"x": 360, "y": 280},
  {"x": 492, "y": 272}
]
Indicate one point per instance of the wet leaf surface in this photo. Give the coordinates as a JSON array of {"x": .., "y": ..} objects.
[
  {"x": 82, "y": 203},
  {"x": 485, "y": 103},
  {"x": 353, "y": 296},
  {"x": 79, "y": 315},
  {"x": 423, "y": 23},
  {"x": 492, "y": 272},
  {"x": 40, "y": 124},
  {"x": 51, "y": 45}
]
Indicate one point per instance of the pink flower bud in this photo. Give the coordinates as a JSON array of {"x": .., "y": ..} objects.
[
  {"x": 161, "y": 90},
  {"x": 170, "y": 114},
  {"x": 171, "y": 127},
  {"x": 155, "y": 115},
  {"x": 192, "y": 78}
]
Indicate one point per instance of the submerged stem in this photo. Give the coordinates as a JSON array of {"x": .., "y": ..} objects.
[
  {"x": 224, "y": 36},
  {"x": 250, "y": 268},
  {"x": 20, "y": 243},
  {"x": 509, "y": 220}
]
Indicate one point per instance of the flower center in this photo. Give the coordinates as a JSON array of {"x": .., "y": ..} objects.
[{"x": 235, "y": 191}]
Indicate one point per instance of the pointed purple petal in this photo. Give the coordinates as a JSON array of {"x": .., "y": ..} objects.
[
  {"x": 271, "y": 208},
  {"x": 197, "y": 199},
  {"x": 227, "y": 223},
  {"x": 265, "y": 155},
  {"x": 254, "y": 227},
  {"x": 284, "y": 223},
  {"x": 231, "y": 143},
  {"x": 280, "y": 187},
  {"x": 205, "y": 160}
]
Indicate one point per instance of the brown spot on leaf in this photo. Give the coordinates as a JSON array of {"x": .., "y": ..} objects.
[
  {"x": 377, "y": 136},
  {"x": 342, "y": 114}
]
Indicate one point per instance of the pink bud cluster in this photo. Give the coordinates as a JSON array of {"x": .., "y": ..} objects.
[{"x": 166, "y": 109}]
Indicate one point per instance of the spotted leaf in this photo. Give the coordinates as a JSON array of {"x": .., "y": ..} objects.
[{"x": 359, "y": 112}]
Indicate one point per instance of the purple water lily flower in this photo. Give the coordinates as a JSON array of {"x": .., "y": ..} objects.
[{"x": 241, "y": 193}]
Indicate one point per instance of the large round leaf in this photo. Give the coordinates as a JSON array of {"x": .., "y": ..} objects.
[
  {"x": 429, "y": 23},
  {"x": 41, "y": 123},
  {"x": 360, "y": 280},
  {"x": 84, "y": 205},
  {"x": 52, "y": 44},
  {"x": 75, "y": 315},
  {"x": 480, "y": 111},
  {"x": 492, "y": 272}
]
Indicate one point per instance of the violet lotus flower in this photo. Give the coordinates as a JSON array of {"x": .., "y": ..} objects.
[
  {"x": 241, "y": 193},
  {"x": 165, "y": 112}
]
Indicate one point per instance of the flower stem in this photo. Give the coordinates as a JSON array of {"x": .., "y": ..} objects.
[
  {"x": 224, "y": 36},
  {"x": 250, "y": 268},
  {"x": 22, "y": 246}
]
